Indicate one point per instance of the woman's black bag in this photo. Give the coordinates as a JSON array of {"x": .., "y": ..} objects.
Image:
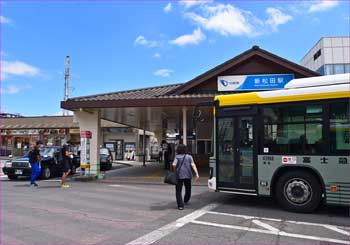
[{"x": 171, "y": 177}]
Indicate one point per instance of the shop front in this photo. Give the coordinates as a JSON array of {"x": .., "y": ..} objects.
[{"x": 17, "y": 134}]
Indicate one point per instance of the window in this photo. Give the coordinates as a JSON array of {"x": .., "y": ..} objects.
[
  {"x": 321, "y": 70},
  {"x": 338, "y": 69},
  {"x": 328, "y": 70},
  {"x": 347, "y": 68},
  {"x": 225, "y": 150},
  {"x": 339, "y": 127},
  {"x": 225, "y": 139},
  {"x": 293, "y": 129},
  {"x": 317, "y": 54}
]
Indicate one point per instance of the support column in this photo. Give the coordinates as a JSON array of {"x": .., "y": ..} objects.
[
  {"x": 91, "y": 121},
  {"x": 144, "y": 148},
  {"x": 184, "y": 125}
]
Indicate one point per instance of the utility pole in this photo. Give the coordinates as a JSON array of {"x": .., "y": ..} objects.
[{"x": 66, "y": 82}]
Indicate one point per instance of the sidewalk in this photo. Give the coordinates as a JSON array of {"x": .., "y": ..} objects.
[{"x": 152, "y": 173}]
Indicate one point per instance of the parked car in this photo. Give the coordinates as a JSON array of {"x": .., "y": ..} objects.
[
  {"x": 106, "y": 159},
  {"x": 50, "y": 164}
]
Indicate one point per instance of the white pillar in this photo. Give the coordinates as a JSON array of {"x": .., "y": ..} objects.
[
  {"x": 91, "y": 121},
  {"x": 184, "y": 125}
]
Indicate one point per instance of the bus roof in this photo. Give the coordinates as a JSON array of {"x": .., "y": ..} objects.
[
  {"x": 319, "y": 92},
  {"x": 318, "y": 81}
]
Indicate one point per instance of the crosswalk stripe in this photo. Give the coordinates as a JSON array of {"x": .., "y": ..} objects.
[{"x": 173, "y": 226}]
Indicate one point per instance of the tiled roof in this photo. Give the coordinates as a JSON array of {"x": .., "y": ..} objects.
[
  {"x": 50, "y": 122},
  {"x": 146, "y": 93},
  {"x": 38, "y": 122}
]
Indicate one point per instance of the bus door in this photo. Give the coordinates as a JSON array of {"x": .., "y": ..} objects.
[{"x": 236, "y": 148}]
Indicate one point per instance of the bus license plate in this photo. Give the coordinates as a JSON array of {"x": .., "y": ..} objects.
[{"x": 18, "y": 171}]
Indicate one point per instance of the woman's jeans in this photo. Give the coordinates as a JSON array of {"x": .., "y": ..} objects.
[
  {"x": 178, "y": 187},
  {"x": 35, "y": 172}
]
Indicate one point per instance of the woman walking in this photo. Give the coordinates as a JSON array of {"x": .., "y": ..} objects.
[{"x": 183, "y": 165}]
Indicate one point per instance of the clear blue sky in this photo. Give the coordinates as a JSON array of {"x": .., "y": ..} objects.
[{"x": 117, "y": 45}]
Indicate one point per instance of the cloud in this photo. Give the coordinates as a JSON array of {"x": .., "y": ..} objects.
[
  {"x": 4, "y": 20},
  {"x": 277, "y": 17},
  {"x": 163, "y": 72},
  {"x": 226, "y": 20},
  {"x": 18, "y": 68},
  {"x": 320, "y": 6},
  {"x": 156, "y": 55},
  {"x": 168, "y": 8},
  {"x": 196, "y": 37},
  {"x": 190, "y": 3},
  {"x": 60, "y": 113},
  {"x": 13, "y": 89},
  {"x": 141, "y": 40}
]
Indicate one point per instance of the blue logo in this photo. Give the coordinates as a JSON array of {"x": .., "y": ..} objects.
[{"x": 226, "y": 83}]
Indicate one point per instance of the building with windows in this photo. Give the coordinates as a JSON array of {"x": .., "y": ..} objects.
[
  {"x": 330, "y": 55},
  {"x": 18, "y": 133}
]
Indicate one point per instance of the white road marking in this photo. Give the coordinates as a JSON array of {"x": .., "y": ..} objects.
[
  {"x": 279, "y": 220},
  {"x": 336, "y": 229},
  {"x": 235, "y": 227},
  {"x": 244, "y": 216},
  {"x": 266, "y": 226},
  {"x": 171, "y": 227},
  {"x": 280, "y": 233},
  {"x": 129, "y": 187}
]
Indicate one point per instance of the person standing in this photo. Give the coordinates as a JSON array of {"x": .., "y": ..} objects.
[
  {"x": 67, "y": 156},
  {"x": 34, "y": 160},
  {"x": 167, "y": 156},
  {"x": 183, "y": 165}
]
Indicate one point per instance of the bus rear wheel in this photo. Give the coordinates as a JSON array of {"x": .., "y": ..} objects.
[{"x": 298, "y": 191}]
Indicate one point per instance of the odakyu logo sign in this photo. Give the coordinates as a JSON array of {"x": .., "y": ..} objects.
[
  {"x": 253, "y": 82},
  {"x": 226, "y": 83}
]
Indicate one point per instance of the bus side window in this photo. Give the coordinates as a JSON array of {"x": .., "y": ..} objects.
[
  {"x": 293, "y": 130},
  {"x": 339, "y": 130}
]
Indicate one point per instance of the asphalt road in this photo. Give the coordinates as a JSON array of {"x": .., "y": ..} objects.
[{"x": 129, "y": 213}]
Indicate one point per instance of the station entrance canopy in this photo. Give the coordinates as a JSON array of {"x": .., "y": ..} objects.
[{"x": 171, "y": 107}]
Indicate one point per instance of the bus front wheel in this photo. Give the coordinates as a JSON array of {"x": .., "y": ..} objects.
[{"x": 298, "y": 191}]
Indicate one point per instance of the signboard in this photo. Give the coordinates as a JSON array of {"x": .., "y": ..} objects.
[
  {"x": 253, "y": 82},
  {"x": 130, "y": 146},
  {"x": 61, "y": 131},
  {"x": 74, "y": 131},
  {"x": 85, "y": 134},
  {"x": 85, "y": 137}
]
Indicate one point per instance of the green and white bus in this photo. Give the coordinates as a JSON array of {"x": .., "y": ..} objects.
[{"x": 292, "y": 144}]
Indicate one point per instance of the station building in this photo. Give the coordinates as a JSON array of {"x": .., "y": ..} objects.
[{"x": 180, "y": 113}]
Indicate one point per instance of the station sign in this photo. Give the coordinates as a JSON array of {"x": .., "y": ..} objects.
[{"x": 253, "y": 82}]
